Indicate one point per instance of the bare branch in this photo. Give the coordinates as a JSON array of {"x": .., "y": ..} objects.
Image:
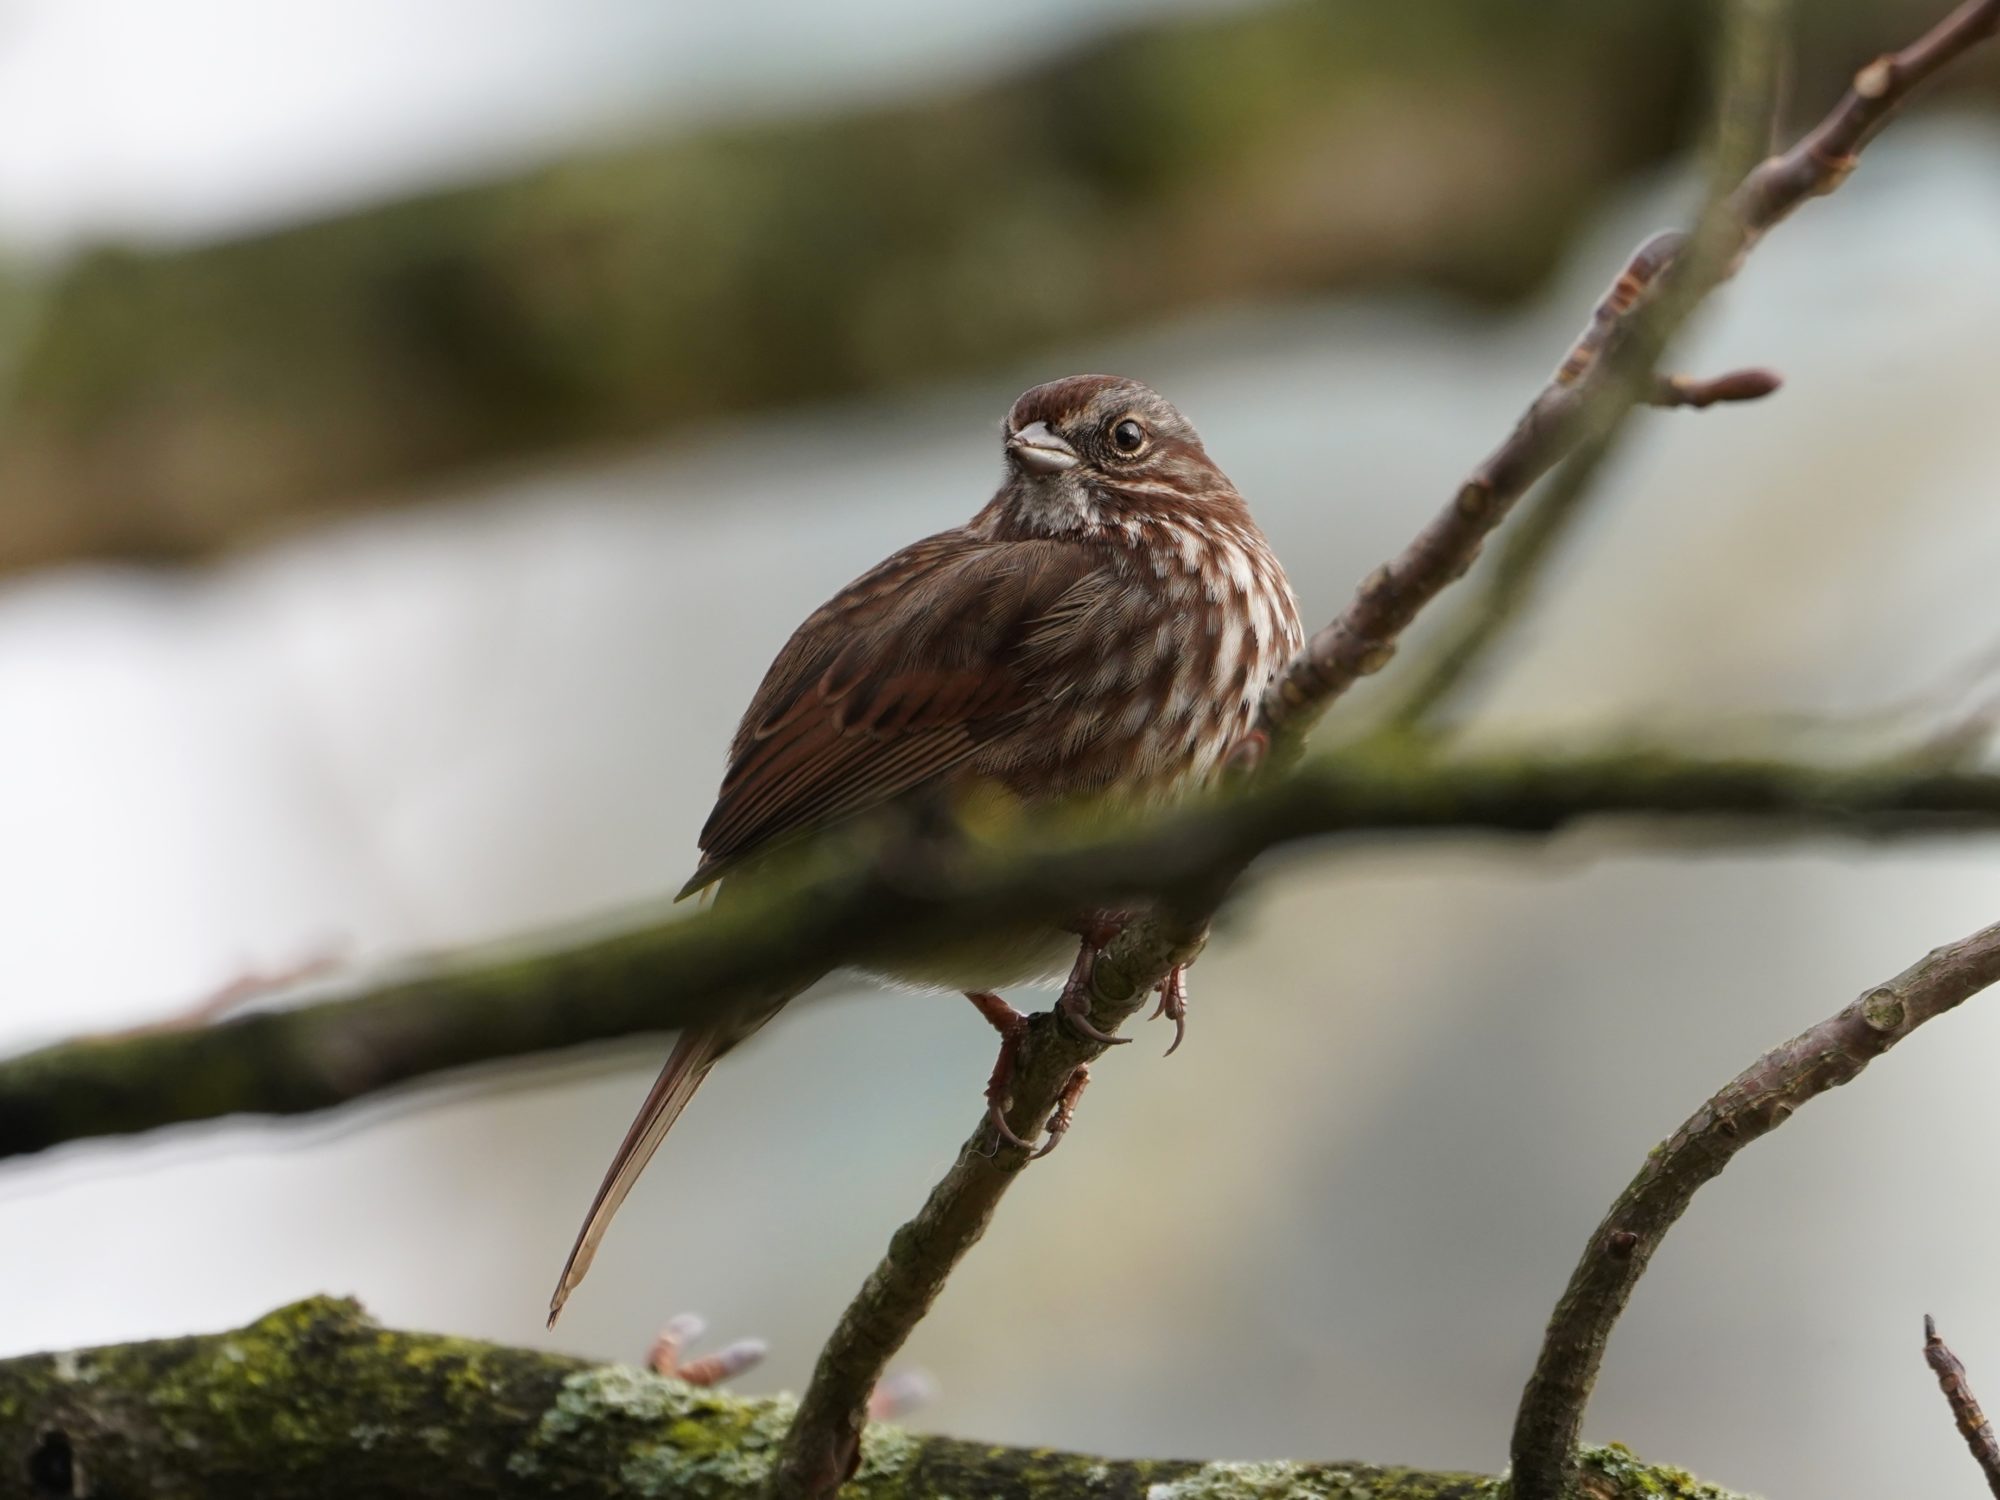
[
  {"x": 1469, "y": 636},
  {"x": 1605, "y": 373},
  {"x": 1749, "y": 83},
  {"x": 1972, "y": 1423},
  {"x": 1751, "y": 1105},
  {"x": 1817, "y": 165},
  {"x": 1686, "y": 390}
]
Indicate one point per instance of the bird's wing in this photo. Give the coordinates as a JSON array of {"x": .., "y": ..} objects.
[{"x": 892, "y": 684}]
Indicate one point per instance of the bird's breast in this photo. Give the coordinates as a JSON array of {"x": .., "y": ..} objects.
[{"x": 1149, "y": 679}]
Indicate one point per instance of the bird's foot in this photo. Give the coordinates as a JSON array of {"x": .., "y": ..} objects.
[
  {"x": 1174, "y": 1004},
  {"x": 1061, "y": 1117},
  {"x": 1013, "y": 1029},
  {"x": 1074, "y": 1004}
]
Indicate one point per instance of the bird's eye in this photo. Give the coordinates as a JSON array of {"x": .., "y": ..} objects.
[{"x": 1127, "y": 436}]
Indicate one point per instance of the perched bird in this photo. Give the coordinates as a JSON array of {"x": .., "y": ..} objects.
[{"x": 1103, "y": 629}]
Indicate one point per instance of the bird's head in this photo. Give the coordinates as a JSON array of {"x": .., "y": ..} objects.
[{"x": 1092, "y": 450}]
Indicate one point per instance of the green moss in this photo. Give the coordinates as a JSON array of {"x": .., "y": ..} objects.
[
  {"x": 1624, "y": 1474},
  {"x": 315, "y": 1402},
  {"x": 666, "y": 1438},
  {"x": 888, "y": 1454},
  {"x": 1272, "y": 1480}
]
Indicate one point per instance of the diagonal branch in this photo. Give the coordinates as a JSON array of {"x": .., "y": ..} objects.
[
  {"x": 1815, "y": 166},
  {"x": 1754, "y": 1103},
  {"x": 1611, "y": 368},
  {"x": 1608, "y": 371},
  {"x": 1972, "y": 1423},
  {"x": 1748, "y": 89}
]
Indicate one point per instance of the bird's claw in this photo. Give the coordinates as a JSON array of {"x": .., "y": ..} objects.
[
  {"x": 1074, "y": 1004},
  {"x": 996, "y": 1117},
  {"x": 1075, "y": 1009},
  {"x": 1059, "y": 1121},
  {"x": 1061, "y": 1117},
  {"x": 1013, "y": 1029},
  {"x": 1174, "y": 1005}
]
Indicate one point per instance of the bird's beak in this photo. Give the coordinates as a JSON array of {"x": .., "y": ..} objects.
[{"x": 1040, "y": 451}]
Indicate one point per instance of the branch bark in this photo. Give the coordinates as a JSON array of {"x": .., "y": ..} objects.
[
  {"x": 1753, "y": 1104},
  {"x": 1972, "y": 1423},
  {"x": 661, "y": 973},
  {"x": 1574, "y": 418},
  {"x": 1748, "y": 87},
  {"x": 315, "y": 1402}
]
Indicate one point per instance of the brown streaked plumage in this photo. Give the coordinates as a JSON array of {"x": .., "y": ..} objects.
[{"x": 1103, "y": 628}]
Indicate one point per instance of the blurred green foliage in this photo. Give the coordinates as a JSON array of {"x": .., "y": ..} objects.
[{"x": 178, "y": 401}]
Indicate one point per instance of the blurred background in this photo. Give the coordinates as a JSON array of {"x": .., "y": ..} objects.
[{"x": 419, "y": 425}]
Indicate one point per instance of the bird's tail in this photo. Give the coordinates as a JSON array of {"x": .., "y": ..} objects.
[{"x": 689, "y": 1063}]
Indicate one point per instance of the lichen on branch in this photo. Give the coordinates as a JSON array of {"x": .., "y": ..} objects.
[{"x": 317, "y": 1402}]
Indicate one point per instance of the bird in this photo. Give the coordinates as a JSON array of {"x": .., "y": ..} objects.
[{"x": 1103, "y": 629}]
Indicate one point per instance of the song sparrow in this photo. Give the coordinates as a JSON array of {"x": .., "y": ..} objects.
[{"x": 1104, "y": 628}]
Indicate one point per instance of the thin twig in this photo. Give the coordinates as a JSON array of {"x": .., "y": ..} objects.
[
  {"x": 1972, "y": 1423},
  {"x": 1750, "y": 81},
  {"x": 1754, "y": 1103},
  {"x": 1610, "y": 368},
  {"x": 1470, "y": 636},
  {"x": 1575, "y": 417},
  {"x": 1815, "y": 166}
]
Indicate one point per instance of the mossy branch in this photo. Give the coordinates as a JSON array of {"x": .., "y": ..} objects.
[
  {"x": 316, "y": 1402},
  {"x": 1750, "y": 1106},
  {"x": 657, "y": 973}
]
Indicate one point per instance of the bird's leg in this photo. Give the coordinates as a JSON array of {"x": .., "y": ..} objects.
[
  {"x": 1097, "y": 931},
  {"x": 1174, "y": 1004},
  {"x": 1013, "y": 1029}
]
